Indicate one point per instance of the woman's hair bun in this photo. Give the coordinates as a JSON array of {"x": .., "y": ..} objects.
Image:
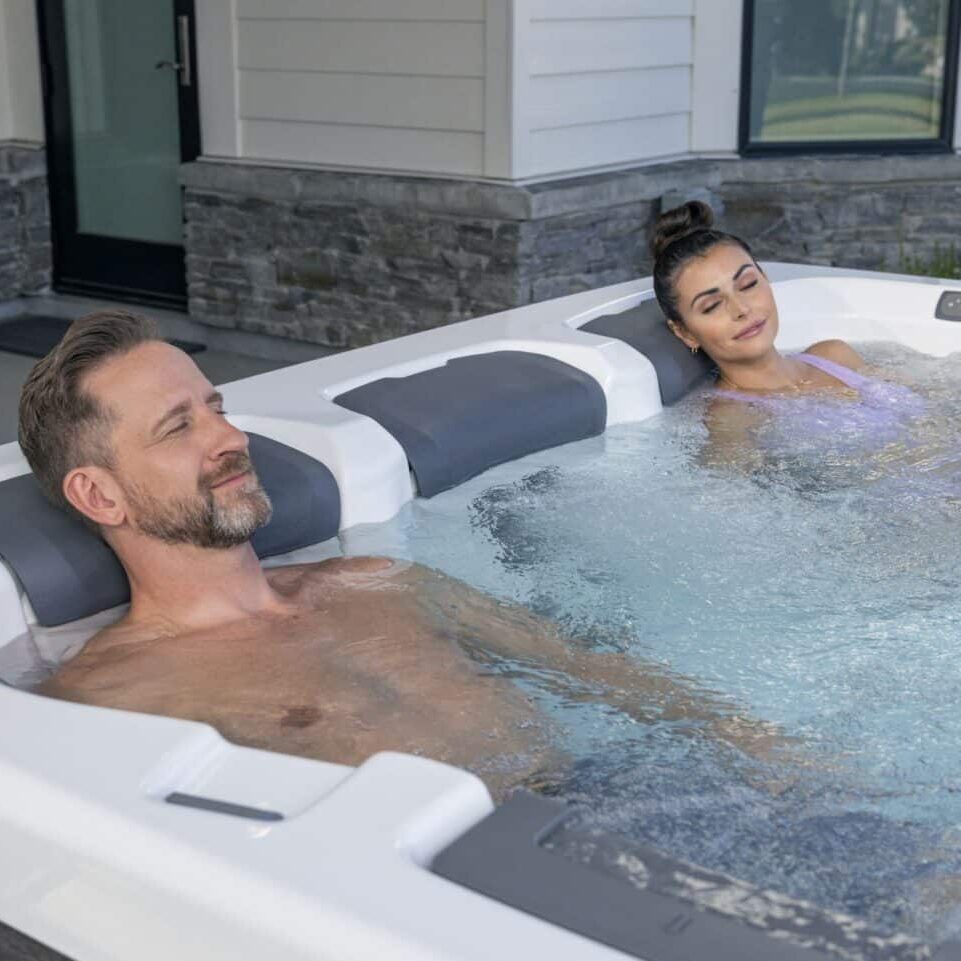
[{"x": 677, "y": 223}]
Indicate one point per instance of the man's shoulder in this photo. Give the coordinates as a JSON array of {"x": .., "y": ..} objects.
[
  {"x": 334, "y": 565},
  {"x": 95, "y": 668},
  {"x": 292, "y": 577},
  {"x": 367, "y": 564},
  {"x": 122, "y": 633}
]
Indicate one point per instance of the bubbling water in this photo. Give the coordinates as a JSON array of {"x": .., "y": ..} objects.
[{"x": 813, "y": 579}]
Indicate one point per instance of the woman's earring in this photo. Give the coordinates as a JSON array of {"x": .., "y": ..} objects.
[{"x": 695, "y": 349}]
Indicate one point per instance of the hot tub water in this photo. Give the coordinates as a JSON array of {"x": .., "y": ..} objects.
[{"x": 815, "y": 582}]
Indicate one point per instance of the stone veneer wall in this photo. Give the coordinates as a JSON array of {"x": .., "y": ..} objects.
[
  {"x": 346, "y": 259},
  {"x": 25, "y": 246}
]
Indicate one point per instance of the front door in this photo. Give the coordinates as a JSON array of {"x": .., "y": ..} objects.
[{"x": 121, "y": 109}]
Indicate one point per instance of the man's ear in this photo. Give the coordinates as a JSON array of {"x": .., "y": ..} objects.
[
  {"x": 683, "y": 334},
  {"x": 94, "y": 493}
]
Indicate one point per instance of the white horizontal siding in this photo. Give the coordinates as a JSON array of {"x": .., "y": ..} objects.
[
  {"x": 350, "y": 46},
  {"x": 567, "y": 101},
  {"x": 455, "y": 103},
  {"x": 21, "y": 106},
  {"x": 502, "y": 88},
  {"x": 361, "y": 9},
  {"x": 395, "y": 85},
  {"x": 607, "y": 9},
  {"x": 580, "y": 46},
  {"x": 607, "y": 83},
  {"x": 567, "y": 149},
  {"x": 376, "y": 148}
]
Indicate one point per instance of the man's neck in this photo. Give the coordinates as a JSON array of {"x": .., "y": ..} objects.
[{"x": 191, "y": 588}]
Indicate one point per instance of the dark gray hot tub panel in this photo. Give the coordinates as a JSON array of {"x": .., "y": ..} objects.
[
  {"x": 637, "y": 909},
  {"x": 949, "y": 306},
  {"x": 16, "y": 946}
]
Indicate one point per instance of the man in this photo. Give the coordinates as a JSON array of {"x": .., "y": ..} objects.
[{"x": 334, "y": 660}]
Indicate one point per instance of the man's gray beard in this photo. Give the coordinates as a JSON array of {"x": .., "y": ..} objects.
[{"x": 199, "y": 520}]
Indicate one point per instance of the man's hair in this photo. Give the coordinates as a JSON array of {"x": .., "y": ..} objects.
[{"x": 61, "y": 425}]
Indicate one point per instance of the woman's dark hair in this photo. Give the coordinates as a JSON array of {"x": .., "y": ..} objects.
[{"x": 681, "y": 235}]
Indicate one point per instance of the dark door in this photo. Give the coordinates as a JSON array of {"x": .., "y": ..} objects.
[{"x": 120, "y": 84}]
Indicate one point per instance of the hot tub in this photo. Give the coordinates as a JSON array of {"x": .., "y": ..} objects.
[{"x": 124, "y": 834}]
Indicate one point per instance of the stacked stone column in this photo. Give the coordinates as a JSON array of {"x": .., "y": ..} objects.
[{"x": 25, "y": 248}]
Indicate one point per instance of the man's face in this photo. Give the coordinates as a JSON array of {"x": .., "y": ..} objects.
[{"x": 183, "y": 469}]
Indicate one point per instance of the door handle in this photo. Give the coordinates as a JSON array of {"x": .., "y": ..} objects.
[{"x": 181, "y": 66}]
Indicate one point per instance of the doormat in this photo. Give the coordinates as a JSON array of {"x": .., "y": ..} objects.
[{"x": 36, "y": 335}]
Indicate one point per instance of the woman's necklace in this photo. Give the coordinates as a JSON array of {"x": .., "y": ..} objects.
[{"x": 795, "y": 386}]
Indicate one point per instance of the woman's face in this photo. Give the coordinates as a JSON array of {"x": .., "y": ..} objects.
[{"x": 727, "y": 306}]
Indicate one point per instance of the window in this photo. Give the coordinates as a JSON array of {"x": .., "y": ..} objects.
[{"x": 848, "y": 74}]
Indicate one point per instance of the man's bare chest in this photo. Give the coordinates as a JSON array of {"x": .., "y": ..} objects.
[
  {"x": 340, "y": 679},
  {"x": 384, "y": 657}
]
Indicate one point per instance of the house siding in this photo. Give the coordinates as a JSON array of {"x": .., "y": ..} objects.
[
  {"x": 366, "y": 84},
  {"x": 609, "y": 88}
]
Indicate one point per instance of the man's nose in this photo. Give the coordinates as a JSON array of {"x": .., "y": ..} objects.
[{"x": 227, "y": 439}]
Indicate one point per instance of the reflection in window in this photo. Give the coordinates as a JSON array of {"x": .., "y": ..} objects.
[
  {"x": 847, "y": 70},
  {"x": 124, "y": 119}
]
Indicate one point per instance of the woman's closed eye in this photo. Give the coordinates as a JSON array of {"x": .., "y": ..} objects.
[{"x": 710, "y": 307}]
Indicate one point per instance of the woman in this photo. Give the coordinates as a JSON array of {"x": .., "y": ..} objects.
[{"x": 717, "y": 299}]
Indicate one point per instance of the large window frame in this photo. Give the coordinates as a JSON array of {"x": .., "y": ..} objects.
[{"x": 943, "y": 143}]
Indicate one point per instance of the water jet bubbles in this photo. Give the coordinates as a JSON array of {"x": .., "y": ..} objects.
[{"x": 817, "y": 589}]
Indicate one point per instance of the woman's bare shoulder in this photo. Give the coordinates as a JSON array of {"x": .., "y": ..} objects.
[{"x": 839, "y": 351}]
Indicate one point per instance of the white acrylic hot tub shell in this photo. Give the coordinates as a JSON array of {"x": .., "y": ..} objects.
[{"x": 92, "y": 861}]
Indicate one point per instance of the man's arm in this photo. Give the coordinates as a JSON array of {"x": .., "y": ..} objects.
[{"x": 644, "y": 690}]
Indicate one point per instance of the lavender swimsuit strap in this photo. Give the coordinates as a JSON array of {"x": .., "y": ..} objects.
[
  {"x": 848, "y": 377},
  {"x": 878, "y": 399}
]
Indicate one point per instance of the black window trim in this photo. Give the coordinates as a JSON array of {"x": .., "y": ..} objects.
[{"x": 943, "y": 143}]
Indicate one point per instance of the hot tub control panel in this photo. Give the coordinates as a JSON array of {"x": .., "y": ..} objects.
[{"x": 949, "y": 306}]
